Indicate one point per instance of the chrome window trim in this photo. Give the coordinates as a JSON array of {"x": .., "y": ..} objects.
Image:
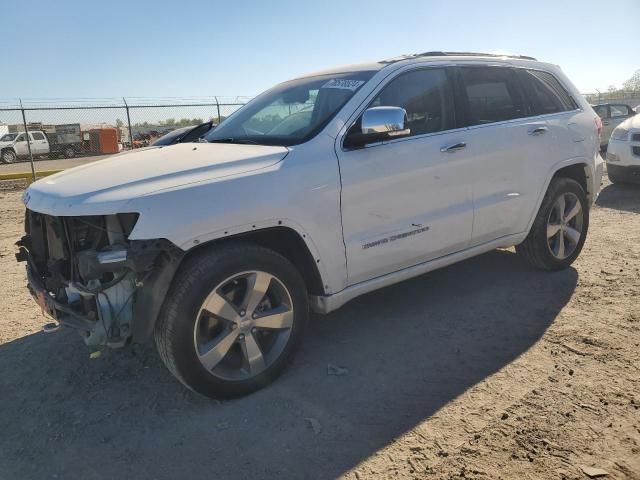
[
  {"x": 460, "y": 63},
  {"x": 406, "y": 139}
]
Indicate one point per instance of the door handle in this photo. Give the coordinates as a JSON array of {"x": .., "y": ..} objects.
[
  {"x": 605, "y": 123},
  {"x": 454, "y": 148},
  {"x": 538, "y": 131}
]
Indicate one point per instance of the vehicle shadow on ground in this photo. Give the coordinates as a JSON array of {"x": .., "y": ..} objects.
[
  {"x": 624, "y": 197},
  {"x": 408, "y": 349}
]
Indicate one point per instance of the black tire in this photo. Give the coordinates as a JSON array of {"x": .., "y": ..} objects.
[
  {"x": 8, "y": 156},
  {"x": 535, "y": 249},
  {"x": 69, "y": 152},
  {"x": 616, "y": 174},
  {"x": 196, "y": 278}
]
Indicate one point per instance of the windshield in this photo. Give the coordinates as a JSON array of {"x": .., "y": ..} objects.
[
  {"x": 171, "y": 137},
  {"x": 292, "y": 112},
  {"x": 8, "y": 137}
]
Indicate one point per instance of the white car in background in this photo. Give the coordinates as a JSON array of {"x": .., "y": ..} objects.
[
  {"x": 612, "y": 115},
  {"x": 623, "y": 153}
]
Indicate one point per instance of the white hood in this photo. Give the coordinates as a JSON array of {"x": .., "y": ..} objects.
[
  {"x": 104, "y": 187},
  {"x": 633, "y": 122}
]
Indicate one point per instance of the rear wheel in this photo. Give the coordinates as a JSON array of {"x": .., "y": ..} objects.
[
  {"x": 69, "y": 152},
  {"x": 232, "y": 320},
  {"x": 560, "y": 228},
  {"x": 9, "y": 156}
]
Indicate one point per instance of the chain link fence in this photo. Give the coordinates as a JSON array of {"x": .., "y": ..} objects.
[
  {"x": 64, "y": 133},
  {"x": 38, "y": 136},
  {"x": 627, "y": 97}
]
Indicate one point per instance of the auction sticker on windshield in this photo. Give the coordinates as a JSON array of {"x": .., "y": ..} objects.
[{"x": 343, "y": 84}]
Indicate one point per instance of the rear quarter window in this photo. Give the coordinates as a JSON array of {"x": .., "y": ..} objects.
[{"x": 546, "y": 93}]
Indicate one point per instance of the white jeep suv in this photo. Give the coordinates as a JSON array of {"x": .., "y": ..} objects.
[{"x": 319, "y": 190}]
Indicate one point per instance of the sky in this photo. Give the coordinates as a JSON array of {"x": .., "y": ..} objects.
[{"x": 86, "y": 49}]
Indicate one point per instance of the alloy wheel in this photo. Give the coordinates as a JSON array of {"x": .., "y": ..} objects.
[
  {"x": 243, "y": 325},
  {"x": 564, "y": 225},
  {"x": 8, "y": 156}
]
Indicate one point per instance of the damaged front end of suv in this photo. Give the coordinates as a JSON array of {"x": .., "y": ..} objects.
[{"x": 87, "y": 274}]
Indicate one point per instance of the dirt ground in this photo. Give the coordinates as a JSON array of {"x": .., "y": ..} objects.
[{"x": 483, "y": 370}]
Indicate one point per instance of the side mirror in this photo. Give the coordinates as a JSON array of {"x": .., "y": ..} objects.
[{"x": 379, "y": 124}]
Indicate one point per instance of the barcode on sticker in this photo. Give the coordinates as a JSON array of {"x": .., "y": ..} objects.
[{"x": 343, "y": 84}]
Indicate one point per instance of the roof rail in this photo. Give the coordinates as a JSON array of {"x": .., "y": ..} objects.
[{"x": 471, "y": 54}]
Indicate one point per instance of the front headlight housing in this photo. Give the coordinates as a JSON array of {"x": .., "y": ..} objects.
[{"x": 620, "y": 134}]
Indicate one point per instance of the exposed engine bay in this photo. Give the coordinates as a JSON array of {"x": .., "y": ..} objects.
[{"x": 86, "y": 274}]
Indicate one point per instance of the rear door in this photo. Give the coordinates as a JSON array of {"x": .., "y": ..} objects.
[
  {"x": 20, "y": 145},
  {"x": 504, "y": 142}
]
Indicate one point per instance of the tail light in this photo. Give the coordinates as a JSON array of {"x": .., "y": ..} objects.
[{"x": 598, "y": 125}]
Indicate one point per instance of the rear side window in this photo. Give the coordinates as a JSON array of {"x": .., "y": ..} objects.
[
  {"x": 546, "y": 93},
  {"x": 493, "y": 95},
  {"x": 196, "y": 133},
  {"x": 620, "y": 111},
  {"x": 37, "y": 136},
  {"x": 427, "y": 97}
]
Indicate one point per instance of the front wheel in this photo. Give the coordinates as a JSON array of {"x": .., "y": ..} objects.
[
  {"x": 232, "y": 320},
  {"x": 560, "y": 227},
  {"x": 9, "y": 156},
  {"x": 69, "y": 152}
]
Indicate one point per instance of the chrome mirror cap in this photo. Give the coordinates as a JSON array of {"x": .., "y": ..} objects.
[{"x": 385, "y": 120}]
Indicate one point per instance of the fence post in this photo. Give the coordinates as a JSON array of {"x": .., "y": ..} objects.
[
  {"x": 218, "y": 106},
  {"x": 126, "y": 106},
  {"x": 26, "y": 134}
]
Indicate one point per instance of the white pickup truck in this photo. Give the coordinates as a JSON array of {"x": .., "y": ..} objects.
[
  {"x": 62, "y": 140},
  {"x": 319, "y": 190}
]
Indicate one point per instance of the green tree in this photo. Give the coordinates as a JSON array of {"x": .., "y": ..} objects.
[{"x": 633, "y": 83}]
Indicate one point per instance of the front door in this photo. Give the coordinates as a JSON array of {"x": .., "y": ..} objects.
[
  {"x": 20, "y": 145},
  {"x": 407, "y": 200}
]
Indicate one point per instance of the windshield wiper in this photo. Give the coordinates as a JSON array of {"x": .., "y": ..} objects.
[{"x": 242, "y": 141}]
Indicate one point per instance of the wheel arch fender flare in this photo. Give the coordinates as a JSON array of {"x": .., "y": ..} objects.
[
  {"x": 248, "y": 230},
  {"x": 553, "y": 171},
  {"x": 265, "y": 233}
]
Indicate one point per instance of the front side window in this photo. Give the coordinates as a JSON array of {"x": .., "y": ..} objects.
[
  {"x": 427, "y": 97},
  {"x": 20, "y": 138},
  {"x": 547, "y": 94},
  {"x": 290, "y": 113},
  {"x": 619, "y": 111},
  {"x": 493, "y": 95}
]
